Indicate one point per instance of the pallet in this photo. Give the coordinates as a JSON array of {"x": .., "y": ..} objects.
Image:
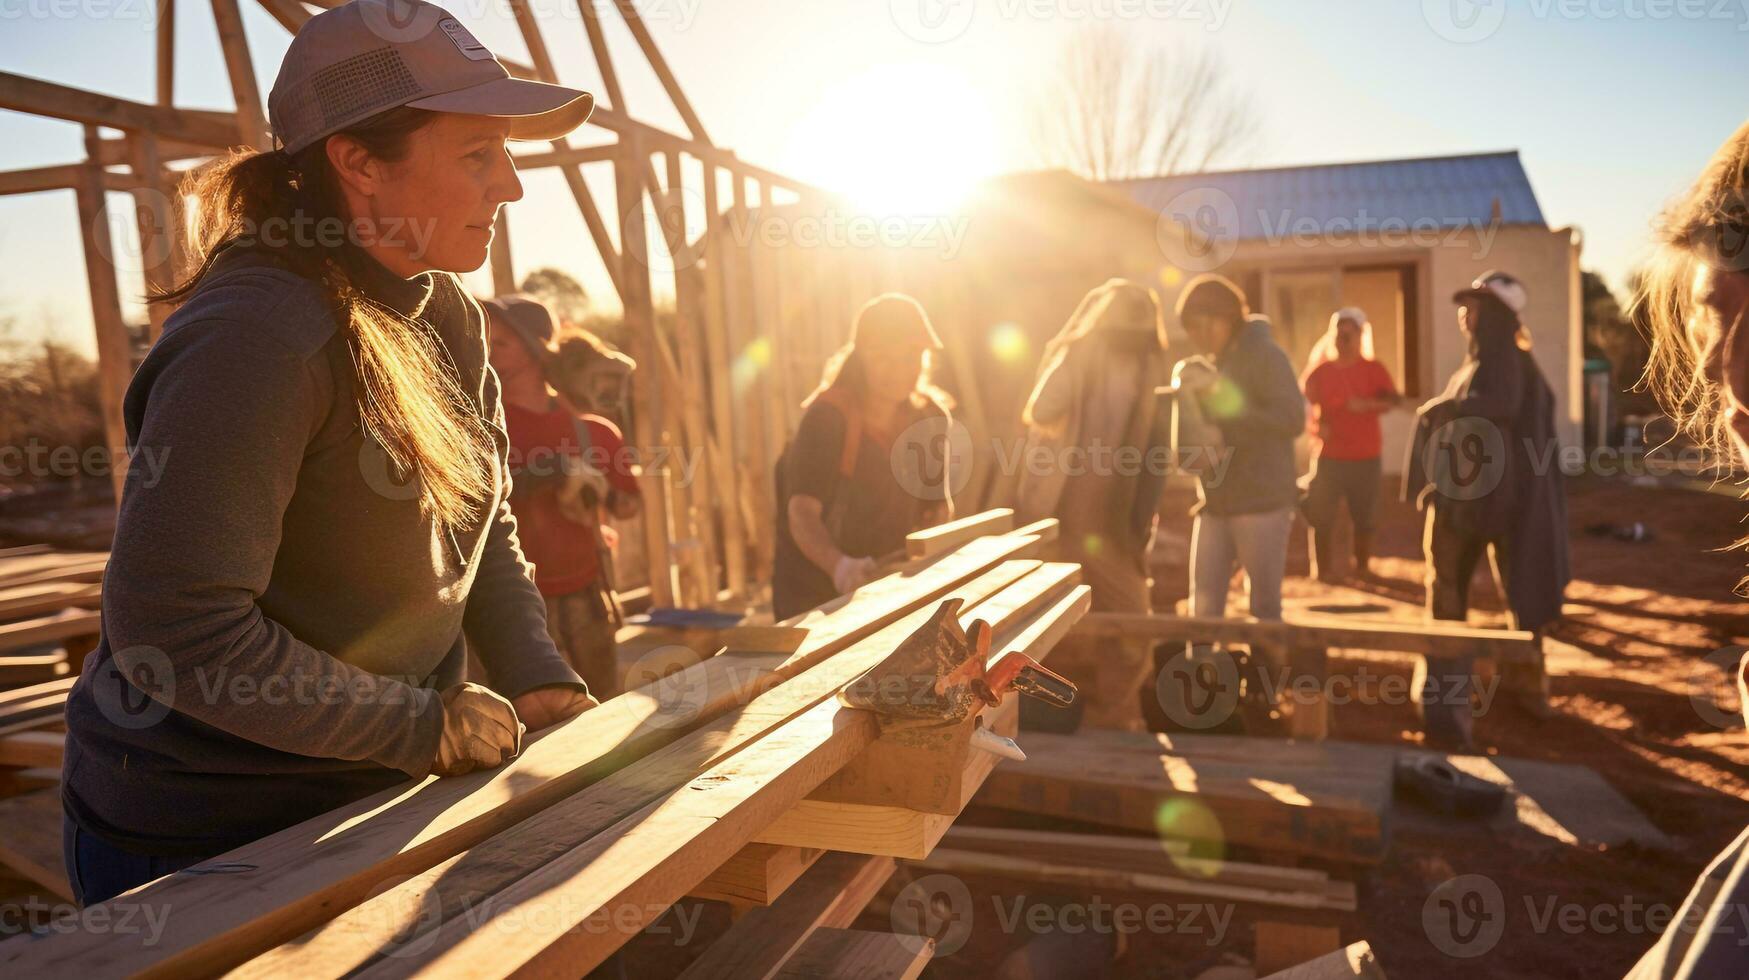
[
  {"x": 31, "y": 844},
  {"x": 1312, "y": 799}
]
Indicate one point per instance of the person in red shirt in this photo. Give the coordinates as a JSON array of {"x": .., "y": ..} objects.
[
  {"x": 1347, "y": 390},
  {"x": 569, "y": 468}
]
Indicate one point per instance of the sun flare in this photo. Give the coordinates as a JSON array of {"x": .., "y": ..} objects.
[{"x": 898, "y": 139}]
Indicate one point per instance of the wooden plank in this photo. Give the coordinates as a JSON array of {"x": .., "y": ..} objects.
[
  {"x": 21, "y": 93},
  {"x": 664, "y": 74},
  {"x": 114, "y": 349},
  {"x": 31, "y": 844},
  {"x": 46, "y": 629},
  {"x": 1356, "y": 962},
  {"x": 1323, "y": 631},
  {"x": 854, "y": 954},
  {"x": 754, "y": 875},
  {"x": 251, "y": 112},
  {"x": 1313, "y": 799},
  {"x": 32, "y": 668},
  {"x": 952, "y": 861},
  {"x": 306, "y": 874},
  {"x": 33, "y": 749},
  {"x": 946, "y": 537},
  {"x": 831, "y": 895},
  {"x": 460, "y": 887}
]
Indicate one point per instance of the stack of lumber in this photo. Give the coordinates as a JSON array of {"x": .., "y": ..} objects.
[
  {"x": 550, "y": 863},
  {"x": 1325, "y": 800},
  {"x": 45, "y": 597}
]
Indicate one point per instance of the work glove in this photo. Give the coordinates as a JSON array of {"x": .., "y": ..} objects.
[
  {"x": 853, "y": 573},
  {"x": 584, "y": 488},
  {"x": 480, "y": 729},
  {"x": 1195, "y": 375}
]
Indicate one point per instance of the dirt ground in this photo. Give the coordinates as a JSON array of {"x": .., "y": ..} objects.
[{"x": 1633, "y": 698}]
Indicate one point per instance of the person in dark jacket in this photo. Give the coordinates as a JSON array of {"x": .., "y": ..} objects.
[
  {"x": 1245, "y": 509},
  {"x": 289, "y": 605},
  {"x": 1482, "y": 469},
  {"x": 869, "y": 463}
]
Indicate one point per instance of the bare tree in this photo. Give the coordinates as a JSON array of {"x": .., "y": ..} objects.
[{"x": 1119, "y": 107}]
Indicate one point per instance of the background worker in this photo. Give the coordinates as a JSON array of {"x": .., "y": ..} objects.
[
  {"x": 1095, "y": 396},
  {"x": 861, "y": 472},
  {"x": 1245, "y": 509},
  {"x": 1474, "y": 468},
  {"x": 1346, "y": 390},
  {"x": 569, "y": 470},
  {"x": 289, "y": 604}
]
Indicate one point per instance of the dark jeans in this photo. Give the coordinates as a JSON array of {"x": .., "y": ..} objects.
[
  {"x": 99, "y": 871},
  {"x": 1337, "y": 480}
]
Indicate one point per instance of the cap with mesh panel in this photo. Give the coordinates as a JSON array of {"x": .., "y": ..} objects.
[{"x": 365, "y": 57}]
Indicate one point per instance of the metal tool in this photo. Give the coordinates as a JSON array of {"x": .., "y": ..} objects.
[{"x": 941, "y": 675}]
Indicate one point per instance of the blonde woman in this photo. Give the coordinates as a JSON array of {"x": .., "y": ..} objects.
[
  {"x": 285, "y": 608},
  {"x": 1696, "y": 298},
  {"x": 1095, "y": 436}
]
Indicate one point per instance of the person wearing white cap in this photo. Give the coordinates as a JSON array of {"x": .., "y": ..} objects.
[
  {"x": 1477, "y": 468},
  {"x": 289, "y": 605},
  {"x": 1346, "y": 390}
]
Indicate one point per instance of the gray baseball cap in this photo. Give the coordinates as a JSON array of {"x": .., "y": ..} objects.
[{"x": 367, "y": 56}]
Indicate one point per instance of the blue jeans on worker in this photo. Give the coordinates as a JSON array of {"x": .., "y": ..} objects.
[
  {"x": 99, "y": 871},
  {"x": 1256, "y": 542}
]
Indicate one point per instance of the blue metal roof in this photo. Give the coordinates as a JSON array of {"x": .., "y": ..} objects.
[{"x": 1442, "y": 192}]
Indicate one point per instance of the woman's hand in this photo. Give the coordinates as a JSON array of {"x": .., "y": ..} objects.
[
  {"x": 480, "y": 729},
  {"x": 547, "y": 706}
]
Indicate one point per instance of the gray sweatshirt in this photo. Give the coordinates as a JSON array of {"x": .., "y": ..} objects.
[
  {"x": 278, "y": 614},
  {"x": 1260, "y": 412}
]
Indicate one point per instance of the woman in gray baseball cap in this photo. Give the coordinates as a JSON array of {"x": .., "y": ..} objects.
[{"x": 290, "y": 600}]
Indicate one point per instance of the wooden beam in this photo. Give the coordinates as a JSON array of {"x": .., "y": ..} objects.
[
  {"x": 115, "y": 354},
  {"x": 24, "y": 601},
  {"x": 830, "y": 895},
  {"x": 155, "y": 219},
  {"x": 21, "y": 93},
  {"x": 29, "y": 750},
  {"x": 603, "y": 57},
  {"x": 946, "y": 537},
  {"x": 754, "y": 875},
  {"x": 567, "y": 156},
  {"x": 45, "y": 629},
  {"x": 290, "y": 14},
  {"x": 856, "y": 954},
  {"x": 305, "y": 874},
  {"x": 165, "y": 62},
  {"x": 251, "y": 111},
  {"x": 1423, "y": 638},
  {"x": 670, "y": 84},
  {"x": 1354, "y": 962},
  {"x": 503, "y": 269}
]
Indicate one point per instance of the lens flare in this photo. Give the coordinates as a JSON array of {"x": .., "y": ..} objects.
[
  {"x": 1182, "y": 818},
  {"x": 1009, "y": 343},
  {"x": 750, "y": 363}
]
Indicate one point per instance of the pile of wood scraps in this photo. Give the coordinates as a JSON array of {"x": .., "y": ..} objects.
[
  {"x": 745, "y": 761},
  {"x": 48, "y": 605}
]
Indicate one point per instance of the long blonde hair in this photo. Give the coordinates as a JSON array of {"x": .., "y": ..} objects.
[
  {"x": 1707, "y": 226},
  {"x": 1115, "y": 306},
  {"x": 410, "y": 399}
]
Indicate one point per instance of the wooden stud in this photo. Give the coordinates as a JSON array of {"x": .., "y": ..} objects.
[
  {"x": 115, "y": 356},
  {"x": 251, "y": 111}
]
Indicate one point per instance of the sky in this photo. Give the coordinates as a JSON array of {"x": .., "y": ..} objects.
[{"x": 1614, "y": 105}]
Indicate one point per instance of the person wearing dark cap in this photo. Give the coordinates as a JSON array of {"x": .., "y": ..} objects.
[
  {"x": 1249, "y": 394},
  {"x": 1474, "y": 469},
  {"x": 867, "y": 465},
  {"x": 290, "y": 603},
  {"x": 569, "y": 468}
]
